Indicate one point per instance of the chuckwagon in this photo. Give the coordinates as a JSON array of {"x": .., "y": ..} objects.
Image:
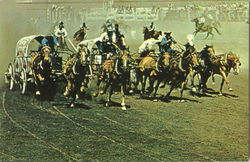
[{"x": 19, "y": 72}]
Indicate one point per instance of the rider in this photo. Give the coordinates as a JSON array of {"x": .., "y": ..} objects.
[
  {"x": 117, "y": 31},
  {"x": 202, "y": 22},
  {"x": 190, "y": 42},
  {"x": 151, "y": 29},
  {"x": 84, "y": 26},
  {"x": 107, "y": 40},
  {"x": 146, "y": 46},
  {"x": 61, "y": 32},
  {"x": 167, "y": 43},
  {"x": 49, "y": 41}
]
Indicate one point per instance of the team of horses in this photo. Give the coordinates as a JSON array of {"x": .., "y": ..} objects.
[{"x": 126, "y": 73}]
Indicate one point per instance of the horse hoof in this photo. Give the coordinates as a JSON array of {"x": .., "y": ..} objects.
[
  {"x": 124, "y": 108},
  {"x": 72, "y": 105},
  {"x": 95, "y": 94},
  {"x": 230, "y": 89},
  {"x": 38, "y": 93},
  {"x": 77, "y": 96},
  {"x": 155, "y": 100},
  {"x": 220, "y": 94},
  {"x": 194, "y": 89},
  {"x": 131, "y": 91},
  {"x": 82, "y": 89},
  {"x": 181, "y": 101},
  {"x": 107, "y": 104},
  {"x": 65, "y": 93},
  {"x": 102, "y": 92}
]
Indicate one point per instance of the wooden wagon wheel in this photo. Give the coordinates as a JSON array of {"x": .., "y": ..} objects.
[
  {"x": 10, "y": 76},
  {"x": 23, "y": 81}
]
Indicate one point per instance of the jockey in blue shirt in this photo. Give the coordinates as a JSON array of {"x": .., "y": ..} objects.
[
  {"x": 166, "y": 43},
  {"x": 49, "y": 41}
]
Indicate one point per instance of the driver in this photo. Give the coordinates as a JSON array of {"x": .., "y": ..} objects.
[{"x": 61, "y": 32}]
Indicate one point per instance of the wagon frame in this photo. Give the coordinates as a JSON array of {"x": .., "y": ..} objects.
[{"x": 19, "y": 71}]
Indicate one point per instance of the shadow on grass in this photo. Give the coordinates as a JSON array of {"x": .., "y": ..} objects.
[
  {"x": 115, "y": 104},
  {"x": 168, "y": 99}
]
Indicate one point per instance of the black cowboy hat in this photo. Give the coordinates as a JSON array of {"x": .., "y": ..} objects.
[{"x": 61, "y": 23}]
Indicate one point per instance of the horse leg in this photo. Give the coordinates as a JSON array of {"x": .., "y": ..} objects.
[
  {"x": 106, "y": 87},
  {"x": 181, "y": 90},
  {"x": 224, "y": 75},
  {"x": 171, "y": 89},
  {"x": 97, "y": 87},
  {"x": 151, "y": 85},
  {"x": 123, "y": 97},
  {"x": 221, "y": 87},
  {"x": 67, "y": 88},
  {"x": 207, "y": 35},
  {"x": 191, "y": 75},
  {"x": 109, "y": 96},
  {"x": 156, "y": 89},
  {"x": 213, "y": 79},
  {"x": 144, "y": 80}
]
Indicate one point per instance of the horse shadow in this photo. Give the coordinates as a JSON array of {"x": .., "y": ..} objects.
[
  {"x": 175, "y": 98},
  {"x": 114, "y": 104},
  {"x": 77, "y": 105}
]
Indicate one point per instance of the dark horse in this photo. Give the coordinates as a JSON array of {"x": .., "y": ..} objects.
[
  {"x": 41, "y": 69},
  {"x": 148, "y": 34},
  {"x": 80, "y": 35},
  {"x": 174, "y": 75},
  {"x": 199, "y": 28},
  {"x": 115, "y": 73},
  {"x": 75, "y": 71}
]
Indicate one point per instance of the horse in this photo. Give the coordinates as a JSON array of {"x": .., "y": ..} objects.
[
  {"x": 205, "y": 28},
  {"x": 222, "y": 65},
  {"x": 41, "y": 69},
  {"x": 75, "y": 71},
  {"x": 204, "y": 72},
  {"x": 147, "y": 34},
  {"x": 121, "y": 42},
  {"x": 190, "y": 63},
  {"x": 114, "y": 72},
  {"x": 151, "y": 68},
  {"x": 80, "y": 35},
  {"x": 175, "y": 76}
]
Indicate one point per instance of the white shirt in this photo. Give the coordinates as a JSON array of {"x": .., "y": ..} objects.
[
  {"x": 148, "y": 44},
  {"x": 202, "y": 19},
  {"x": 104, "y": 36},
  {"x": 62, "y": 32}
]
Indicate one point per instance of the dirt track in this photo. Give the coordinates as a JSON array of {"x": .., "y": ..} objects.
[{"x": 202, "y": 128}]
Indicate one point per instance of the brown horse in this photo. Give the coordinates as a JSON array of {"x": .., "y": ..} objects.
[
  {"x": 41, "y": 69},
  {"x": 222, "y": 66},
  {"x": 80, "y": 35},
  {"x": 199, "y": 28},
  {"x": 75, "y": 71},
  {"x": 190, "y": 63},
  {"x": 114, "y": 72},
  {"x": 150, "y": 67}
]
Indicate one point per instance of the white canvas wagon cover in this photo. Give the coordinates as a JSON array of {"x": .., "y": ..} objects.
[{"x": 23, "y": 44}]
